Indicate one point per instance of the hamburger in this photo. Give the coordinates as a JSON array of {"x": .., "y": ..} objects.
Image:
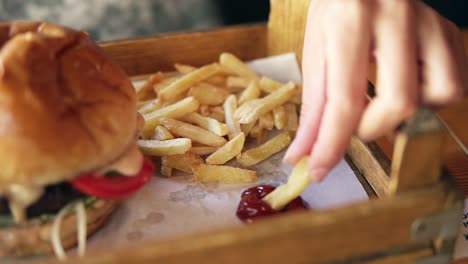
[{"x": 68, "y": 124}]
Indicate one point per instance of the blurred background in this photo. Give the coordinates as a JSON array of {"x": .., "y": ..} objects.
[{"x": 117, "y": 19}]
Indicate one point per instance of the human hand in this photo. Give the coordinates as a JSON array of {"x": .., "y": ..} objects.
[{"x": 420, "y": 60}]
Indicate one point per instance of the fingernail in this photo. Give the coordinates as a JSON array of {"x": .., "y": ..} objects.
[{"x": 318, "y": 174}]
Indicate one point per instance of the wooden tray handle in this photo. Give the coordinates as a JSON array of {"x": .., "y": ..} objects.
[{"x": 418, "y": 151}]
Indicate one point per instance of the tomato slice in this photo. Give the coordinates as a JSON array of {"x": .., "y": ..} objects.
[{"x": 114, "y": 187}]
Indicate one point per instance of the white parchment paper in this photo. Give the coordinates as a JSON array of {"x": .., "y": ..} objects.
[{"x": 175, "y": 207}]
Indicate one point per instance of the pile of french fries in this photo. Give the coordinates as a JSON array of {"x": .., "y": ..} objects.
[{"x": 198, "y": 119}]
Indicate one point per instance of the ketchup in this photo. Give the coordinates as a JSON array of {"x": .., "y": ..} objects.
[{"x": 252, "y": 206}]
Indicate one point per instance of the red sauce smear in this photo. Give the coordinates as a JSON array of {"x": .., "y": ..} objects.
[{"x": 252, "y": 206}]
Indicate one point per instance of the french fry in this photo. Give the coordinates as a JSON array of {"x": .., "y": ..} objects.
[
  {"x": 184, "y": 68},
  {"x": 268, "y": 85},
  {"x": 176, "y": 110},
  {"x": 217, "y": 109},
  {"x": 237, "y": 82},
  {"x": 200, "y": 106},
  {"x": 226, "y": 70},
  {"x": 266, "y": 121},
  {"x": 163, "y": 84},
  {"x": 207, "y": 123},
  {"x": 217, "y": 116},
  {"x": 258, "y": 132},
  {"x": 208, "y": 94},
  {"x": 141, "y": 104},
  {"x": 230, "y": 106},
  {"x": 146, "y": 91},
  {"x": 247, "y": 128},
  {"x": 265, "y": 150},
  {"x": 217, "y": 80},
  {"x": 279, "y": 117},
  {"x": 251, "y": 110},
  {"x": 150, "y": 106},
  {"x": 203, "y": 150},
  {"x": 298, "y": 181},
  {"x": 297, "y": 98},
  {"x": 184, "y": 83},
  {"x": 293, "y": 122},
  {"x": 225, "y": 174},
  {"x": 228, "y": 151},
  {"x": 251, "y": 92},
  {"x": 205, "y": 110},
  {"x": 166, "y": 147},
  {"x": 161, "y": 133},
  {"x": 166, "y": 171},
  {"x": 231, "y": 62},
  {"x": 182, "y": 162},
  {"x": 196, "y": 134}
]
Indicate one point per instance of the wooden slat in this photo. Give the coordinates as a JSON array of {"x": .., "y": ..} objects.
[
  {"x": 455, "y": 114},
  {"x": 307, "y": 237},
  {"x": 452, "y": 116},
  {"x": 159, "y": 53},
  {"x": 373, "y": 163},
  {"x": 286, "y": 26}
]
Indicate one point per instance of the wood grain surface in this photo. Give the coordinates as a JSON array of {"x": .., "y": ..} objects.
[{"x": 159, "y": 53}]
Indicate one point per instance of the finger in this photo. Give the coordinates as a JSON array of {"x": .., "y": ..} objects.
[
  {"x": 441, "y": 74},
  {"x": 347, "y": 66},
  {"x": 313, "y": 95},
  {"x": 397, "y": 82}
]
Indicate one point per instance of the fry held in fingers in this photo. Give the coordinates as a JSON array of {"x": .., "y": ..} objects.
[{"x": 298, "y": 181}]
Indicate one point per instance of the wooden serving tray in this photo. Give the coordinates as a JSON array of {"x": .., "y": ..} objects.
[{"x": 413, "y": 207}]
